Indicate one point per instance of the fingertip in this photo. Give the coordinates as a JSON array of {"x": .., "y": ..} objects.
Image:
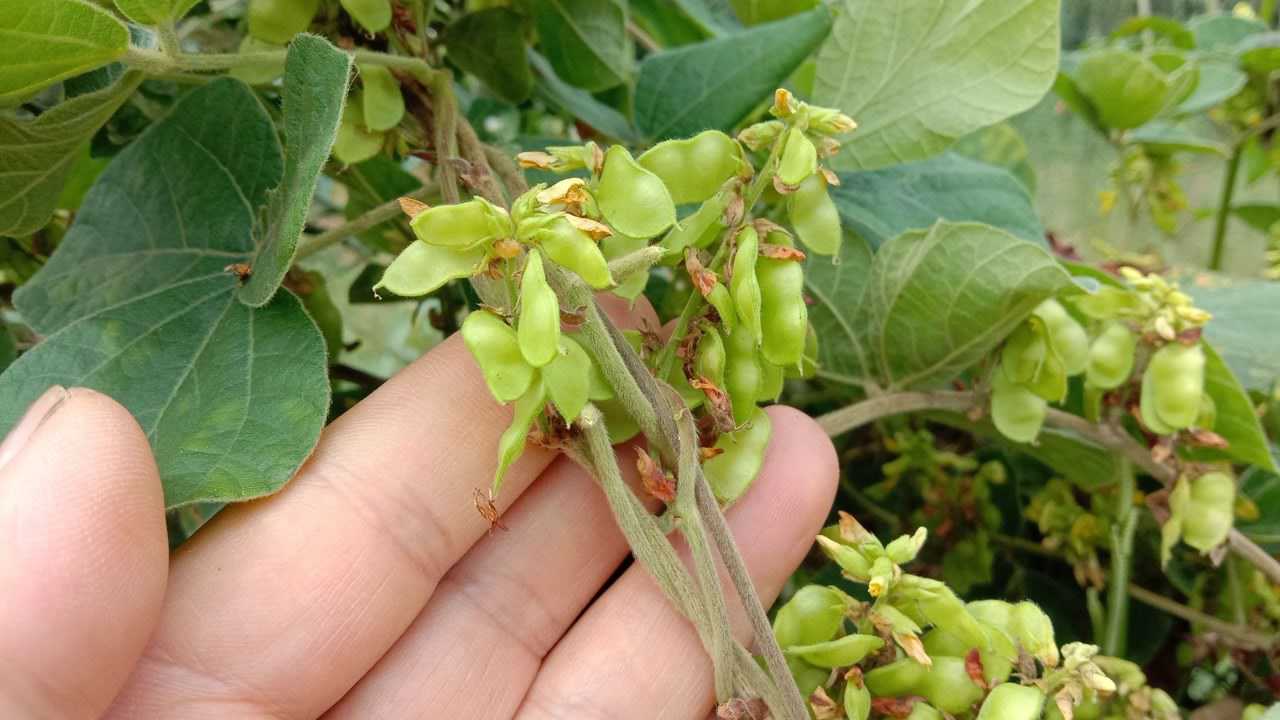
[
  {"x": 801, "y": 453},
  {"x": 83, "y": 557}
]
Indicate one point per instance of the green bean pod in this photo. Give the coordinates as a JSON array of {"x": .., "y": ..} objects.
[
  {"x": 700, "y": 228},
  {"x": 693, "y": 169},
  {"x": 1111, "y": 356},
  {"x": 277, "y": 21},
  {"x": 710, "y": 357},
  {"x": 462, "y": 226},
  {"x": 568, "y": 378},
  {"x": 496, "y": 349},
  {"x": 1010, "y": 701},
  {"x": 383, "y": 101},
  {"x": 900, "y": 677},
  {"x": 841, "y": 652},
  {"x": 423, "y": 268},
  {"x": 576, "y": 251},
  {"x": 355, "y": 142},
  {"x": 634, "y": 201},
  {"x": 743, "y": 375},
  {"x": 1017, "y": 412},
  {"x": 1066, "y": 336},
  {"x": 1175, "y": 375},
  {"x": 799, "y": 158},
  {"x": 813, "y": 615},
  {"x": 373, "y": 15},
  {"x": 857, "y": 702},
  {"x": 511, "y": 444},
  {"x": 731, "y": 472},
  {"x": 784, "y": 316},
  {"x": 814, "y": 216},
  {"x": 744, "y": 285},
  {"x": 1211, "y": 512},
  {"x": 538, "y": 326}
]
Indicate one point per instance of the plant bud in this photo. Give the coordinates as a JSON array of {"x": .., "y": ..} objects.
[
  {"x": 905, "y": 548},
  {"x": 762, "y": 134},
  {"x": 852, "y": 562}
]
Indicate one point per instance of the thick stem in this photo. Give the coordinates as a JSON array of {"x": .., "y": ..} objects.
[
  {"x": 1113, "y": 641},
  {"x": 376, "y": 216},
  {"x": 1224, "y": 207},
  {"x": 154, "y": 61},
  {"x": 766, "y": 644},
  {"x": 861, "y": 413},
  {"x": 444, "y": 118}
]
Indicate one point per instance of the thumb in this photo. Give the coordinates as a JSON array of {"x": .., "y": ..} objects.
[{"x": 83, "y": 555}]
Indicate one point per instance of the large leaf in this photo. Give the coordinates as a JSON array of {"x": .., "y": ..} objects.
[
  {"x": 882, "y": 204},
  {"x": 315, "y": 88},
  {"x": 586, "y": 41},
  {"x": 837, "y": 287},
  {"x": 1164, "y": 138},
  {"x": 8, "y": 348},
  {"x": 754, "y": 12},
  {"x": 136, "y": 303},
  {"x": 1223, "y": 32},
  {"x": 36, "y": 156},
  {"x": 1260, "y": 54},
  {"x": 1244, "y": 329},
  {"x": 1236, "y": 420},
  {"x": 44, "y": 41},
  {"x": 715, "y": 84},
  {"x": 579, "y": 103},
  {"x": 933, "y": 303},
  {"x": 490, "y": 45},
  {"x": 918, "y": 75},
  {"x": 1260, "y": 217},
  {"x": 155, "y": 12}
]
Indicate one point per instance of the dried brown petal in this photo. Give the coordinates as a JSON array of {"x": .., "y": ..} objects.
[
  {"x": 1207, "y": 438},
  {"x": 535, "y": 159},
  {"x": 824, "y": 708},
  {"x": 781, "y": 252},
  {"x": 412, "y": 207},
  {"x": 703, "y": 279},
  {"x": 487, "y": 509},
  {"x": 894, "y": 707},
  {"x": 782, "y": 188},
  {"x": 506, "y": 249},
  {"x": 719, "y": 405},
  {"x": 595, "y": 229},
  {"x": 706, "y": 453},
  {"x": 657, "y": 483},
  {"x": 914, "y": 648},
  {"x": 973, "y": 667},
  {"x": 851, "y": 531}
]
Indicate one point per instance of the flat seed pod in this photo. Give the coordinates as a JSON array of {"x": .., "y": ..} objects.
[
  {"x": 634, "y": 201},
  {"x": 538, "y": 327},
  {"x": 355, "y": 143},
  {"x": 422, "y": 268},
  {"x": 277, "y": 21},
  {"x": 841, "y": 652},
  {"x": 731, "y": 473},
  {"x": 382, "y": 99},
  {"x": 745, "y": 286},
  {"x": 783, "y": 313},
  {"x": 462, "y": 225},
  {"x": 494, "y": 345},
  {"x": 1111, "y": 356},
  {"x": 576, "y": 251},
  {"x": 1017, "y": 412},
  {"x": 1177, "y": 379},
  {"x": 799, "y": 158},
  {"x": 511, "y": 444},
  {"x": 814, "y": 216},
  {"x": 569, "y": 378},
  {"x": 693, "y": 169},
  {"x": 1011, "y": 701}
]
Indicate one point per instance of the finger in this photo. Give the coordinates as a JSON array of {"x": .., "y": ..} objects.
[
  {"x": 281, "y": 605},
  {"x": 631, "y": 655},
  {"x": 511, "y": 597},
  {"x": 83, "y": 555}
]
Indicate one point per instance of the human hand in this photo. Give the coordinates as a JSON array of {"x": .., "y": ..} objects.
[{"x": 369, "y": 587}]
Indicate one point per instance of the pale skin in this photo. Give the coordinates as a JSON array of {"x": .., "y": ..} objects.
[{"x": 370, "y": 587}]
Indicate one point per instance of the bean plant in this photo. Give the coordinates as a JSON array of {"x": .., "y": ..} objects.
[{"x": 201, "y": 203}]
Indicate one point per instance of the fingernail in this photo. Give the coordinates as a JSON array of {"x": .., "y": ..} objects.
[{"x": 40, "y": 410}]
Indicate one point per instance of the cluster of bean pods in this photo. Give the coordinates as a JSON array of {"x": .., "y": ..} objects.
[
  {"x": 1137, "y": 347},
  {"x": 918, "y": 651},
  {"x": 684, "y": 203}
]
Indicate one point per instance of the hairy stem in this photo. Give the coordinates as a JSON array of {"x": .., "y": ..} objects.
[
  {"x": 1116, "y": 634},
  {"x": 444, "y": 114},
  {"x": 1224, "y": 207},
  {"x": 372, "y": 218},
  {"x": 741, "y": 577},
  {"x": 847, "y": 418}
]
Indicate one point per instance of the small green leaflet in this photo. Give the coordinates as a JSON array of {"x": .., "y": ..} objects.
[
  {"x": 579, "y": 103},
  {"x": 231, "y": 397},
  {"x": 155, "y": 12},
  {"x": 44, "y": 41},
  {"x": 716, "y": 83},
  {"x": 918, "y": 75},
  {"x": 36, "y": 156},
  {"x": 315, "y": 89},
  {"x": 490, "y": 45}
]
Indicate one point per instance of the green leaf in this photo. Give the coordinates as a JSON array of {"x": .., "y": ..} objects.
[
  {"x": 1165, "y": 138},
  {"x": 754, "y": 12},
  {"x": 315, "y": 89},
  {"x": 50, "y": 40},
  {"x": 37, "y": 156},
  {"x": 717, "y": 83},
  {"x": 882, "y": 204},
  {"x": 715, "y": 17},
  {"x": 666, "y": 23},
  {"x": 1260, "y": 217},
  {"x": 136, "y": 303},
  {"x": 490, "y": 45},
  {"x": 1174, "y": 31},
  {"x": 579, "y": 103},
  {"x": 1263, "y": 488},
  {"x": 155, "y": 12},
  {"x": 1236, "y": 420},
  {"x": 1003, "y": 146},
  {"x": 1223, "y": 32},
  {"x": 586, "y": 41},
  {"x": 1219, "y": 82},
  {"x": 918, "y": 75},
  {"x": 837, "y": 286},
  {"x": 1243, "y": 326},
  {"x": 1124, "y": 87},
  {"x": 1065, "y": 87},
  {"x": 938, "y": 300}
]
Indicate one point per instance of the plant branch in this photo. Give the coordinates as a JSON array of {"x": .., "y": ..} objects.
[
  {"x": 372, "y": 218},
  {"x": 1224, "y": 207},
  {"x": 847, "y": 418},
  {"x": 1113, "y": 639}
]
